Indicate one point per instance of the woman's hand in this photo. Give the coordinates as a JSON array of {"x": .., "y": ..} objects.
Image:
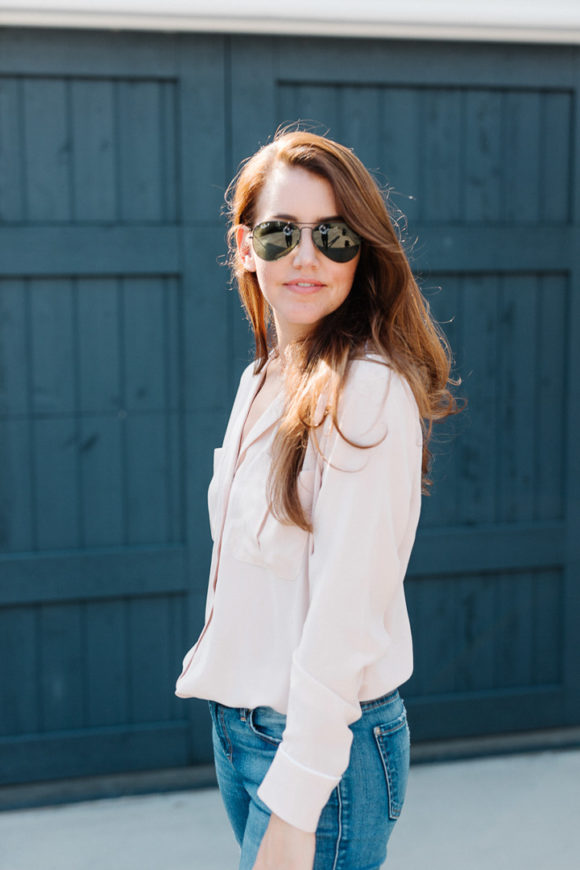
[{"x": 285, "y": 847}]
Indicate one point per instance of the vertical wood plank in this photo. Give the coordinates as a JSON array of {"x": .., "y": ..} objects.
[
  {"x": 144, "y": 343},
  {"x": 401, "y": 147},
  {"x": 253, "y": 109},
  {"x": 47, "y": 149},
  {"x": 548, "y": 603},
  {"x": 550, "y": 406},
  {"x": 436, "y": 628},
  {"x": 138, "y": 119},
  {"x": 149, "y": 645},
  {"x": 56, "y": 495},
  {"x": 522, "y": 169},
  {"x": 168, "y": 170},
  {"x": 441, "y": 507},
  {"x": 570, "y": 640},
  {"x": 16, "y": 487},
  {"x": 355, "y": 106},
  {"x": 204, "y": 129},
  {"x": 98, "y": 323},
  {"x": 441, "y": 155},
  {"x": 14, "y": 363},
  {"x": 514, "y": 609},
  {"x": 52, "y": 345},
  {"x": 206, "y": 96},
  {"x": 209, "y": 311},
  {"x": 175, "y": 384},
  {"x": 556, "y": 164},
  {"x": 107, "y": 668},
  {"x": 475, "y": 450},
  {"x": 482, "y": 189},
  {"x": 415, "y": 687},
  {"x": 253, "y": 123},
  {"x": 102, "y": 482},
  {"x": 61, "y": 678},
  {"x": 146, "y": 469},
  {"x": 177, "y": 643},
  {"x": 516, "y": 392},
  {"x": 19, "y": 685},
  {"x": 175, "y": 479},
  {"x": 93, "y": 126},
  {"x": 11, "y": 152},
  {"x": 474, "y": 636},
  {"x": 174, "y": 343}
]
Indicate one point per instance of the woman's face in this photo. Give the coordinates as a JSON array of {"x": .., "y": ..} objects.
[{"x": 303, "y": 286}]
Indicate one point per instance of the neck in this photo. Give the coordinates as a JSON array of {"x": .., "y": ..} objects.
[{"x": 286, "y": 334}]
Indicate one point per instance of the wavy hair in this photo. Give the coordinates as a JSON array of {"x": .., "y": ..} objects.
[{"x": 385, "y": 312}]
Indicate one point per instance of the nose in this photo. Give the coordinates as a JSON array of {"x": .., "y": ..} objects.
[{"x": 305, "y": 253}]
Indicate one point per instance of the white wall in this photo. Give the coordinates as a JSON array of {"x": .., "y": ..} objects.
[{"x": 556, "y": 21}]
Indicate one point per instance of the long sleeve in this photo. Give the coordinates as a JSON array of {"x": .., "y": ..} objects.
[{"x": 364, "y": 523}]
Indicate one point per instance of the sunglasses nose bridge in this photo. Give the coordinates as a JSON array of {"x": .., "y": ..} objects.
[{"x": 301, "y": 249}]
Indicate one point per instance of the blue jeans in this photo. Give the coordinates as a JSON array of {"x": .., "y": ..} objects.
[{"x": 356, "y": 822}]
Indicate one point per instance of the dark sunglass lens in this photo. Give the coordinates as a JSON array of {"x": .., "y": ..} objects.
[
  {"x": 274, "y": 239},
  {"x": 337, "y": 241}
]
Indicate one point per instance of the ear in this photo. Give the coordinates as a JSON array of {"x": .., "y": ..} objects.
[{"x": 245, "y": 249}]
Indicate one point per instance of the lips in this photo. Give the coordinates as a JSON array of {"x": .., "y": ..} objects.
[{"x": 304, "y": 286}]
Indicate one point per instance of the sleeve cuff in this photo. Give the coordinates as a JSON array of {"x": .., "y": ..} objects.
[{"x": 296, "y": 793}]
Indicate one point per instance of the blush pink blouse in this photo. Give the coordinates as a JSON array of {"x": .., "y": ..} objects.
[{"x": 312, "y": 624}]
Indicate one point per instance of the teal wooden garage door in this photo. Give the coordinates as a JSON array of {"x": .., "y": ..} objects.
[
  {"x": 105, "y": 409},
  {"x": 479, "y": 145},
  {"x": 120, "y": 349}
]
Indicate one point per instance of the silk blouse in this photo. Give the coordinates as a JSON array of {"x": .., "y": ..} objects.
[{"x": 312, "y": 623}]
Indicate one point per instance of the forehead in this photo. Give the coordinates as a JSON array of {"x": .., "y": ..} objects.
[{"x": 293, "y": 192}]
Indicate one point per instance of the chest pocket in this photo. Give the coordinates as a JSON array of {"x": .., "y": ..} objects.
[{"x": 259, "y": 538}]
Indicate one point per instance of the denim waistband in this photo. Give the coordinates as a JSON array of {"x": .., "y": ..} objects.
[
  {"x": 371, "y": 704},
  {"x": 380, "y": 702}
]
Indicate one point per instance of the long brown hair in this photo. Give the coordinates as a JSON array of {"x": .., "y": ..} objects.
[{"x": 385, "y": 311}]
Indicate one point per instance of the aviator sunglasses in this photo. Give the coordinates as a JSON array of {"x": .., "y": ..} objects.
[{"x": 335, "y": 239}]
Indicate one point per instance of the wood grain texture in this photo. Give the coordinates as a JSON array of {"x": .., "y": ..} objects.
[{"x": 121, "y": 347}]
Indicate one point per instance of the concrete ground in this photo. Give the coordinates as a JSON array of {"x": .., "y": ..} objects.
[{"x": 519, "y": 812}]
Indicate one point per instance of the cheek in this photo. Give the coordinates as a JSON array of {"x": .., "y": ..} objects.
[
  {"x": 264, "y": 278},
  {"x": 345, "y": 279},
  {"x": 268, "y": 274},
  {"x": 354, "y": 270}
]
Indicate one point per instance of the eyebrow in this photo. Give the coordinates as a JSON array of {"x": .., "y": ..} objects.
[{"x": 294, "y": 219}]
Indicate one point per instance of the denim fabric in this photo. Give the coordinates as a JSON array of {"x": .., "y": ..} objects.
[{"x": 356, "y": 823}]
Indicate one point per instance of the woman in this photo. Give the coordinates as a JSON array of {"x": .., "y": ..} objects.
[{"x": 313, "y": 506}]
